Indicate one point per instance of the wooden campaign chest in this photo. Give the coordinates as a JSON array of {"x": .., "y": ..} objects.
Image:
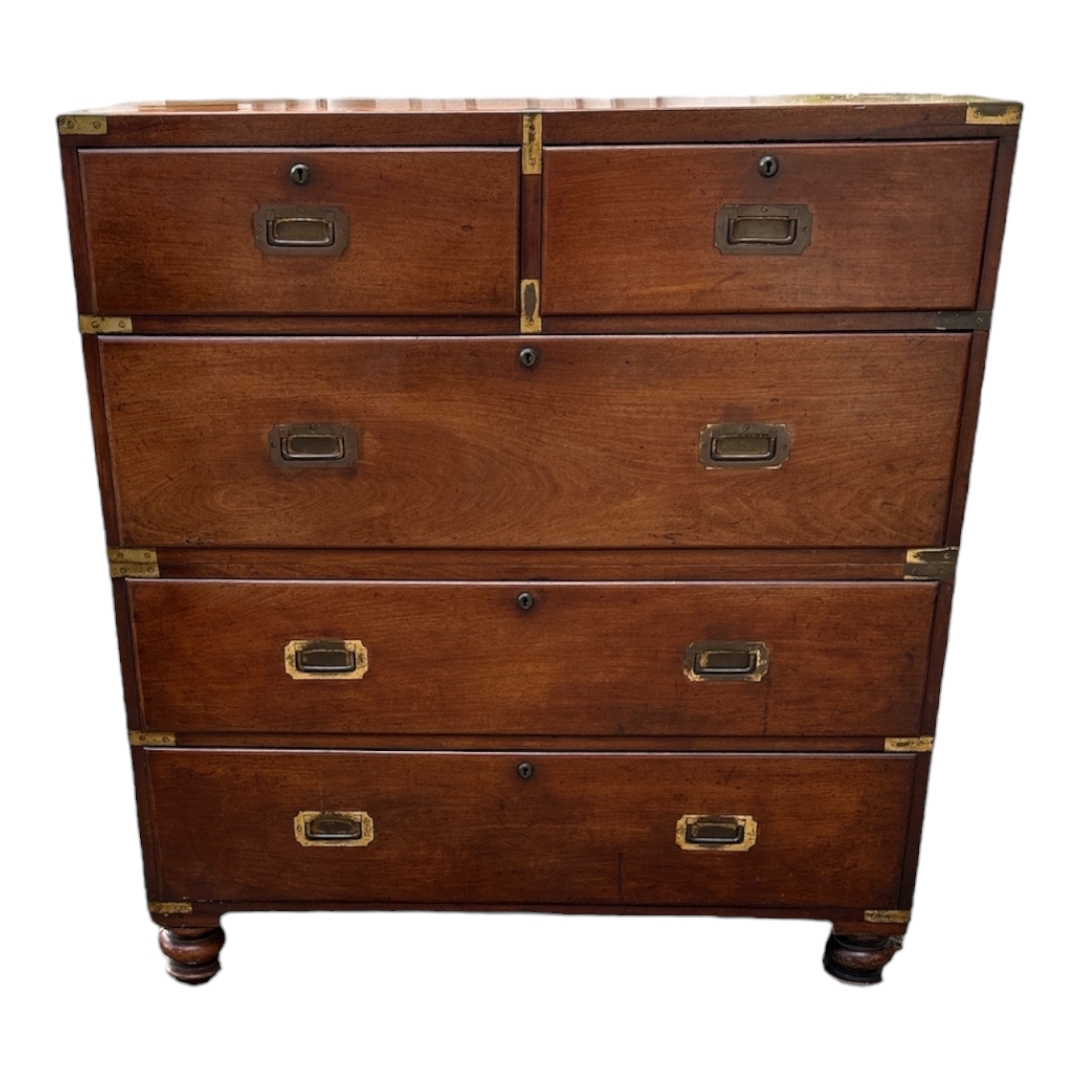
[{"x": 535, "y": 505}]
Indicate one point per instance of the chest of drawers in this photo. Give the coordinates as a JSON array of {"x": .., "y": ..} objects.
[{"x": 546, "y": 506}]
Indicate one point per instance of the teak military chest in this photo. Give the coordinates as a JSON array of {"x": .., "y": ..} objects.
[{"x": 546, "y": 506}]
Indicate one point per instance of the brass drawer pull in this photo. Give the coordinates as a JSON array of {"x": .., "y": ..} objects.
[
  {"x": 744, "y": 446},
  {"x": 726, "y": 661},
  {"x": 314, "y": 446},
  {"x": 716, "y": 832},
  {"x": 333, "y": 828},
  {"x": 749, "y": 229},
  {"x": 301, "y": 230},
  {"x": 326, "y": 659}
]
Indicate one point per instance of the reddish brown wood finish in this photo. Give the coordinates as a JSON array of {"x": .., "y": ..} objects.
[
  {"x": 586, "y": 659},
  {"x": 568, "y": 121},
  {"x": 596, "y": 446},
  {"x": 430, "y": 232},
  {"x": 485, "y": 564},
  {"x": 466, "y": 828},
  {"x": 895, "y": 226}
]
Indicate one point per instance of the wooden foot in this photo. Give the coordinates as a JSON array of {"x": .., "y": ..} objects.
[
  {"x": 193, "y": 954},
  {"x": 859, "y": 958}
]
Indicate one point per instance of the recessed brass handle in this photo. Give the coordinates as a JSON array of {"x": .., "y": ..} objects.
[
  {"x": 301, "y": 230},
  {"x": 326, "y": 658},
  {"x": 753, "y": 229},
  {"x": 333, "y": 828},
  {"x": 726, "y": 661},
  {"x": 314, "y": 446},
  {"x": 744, "y": 446},
  {"x": 716, "y": 832}
]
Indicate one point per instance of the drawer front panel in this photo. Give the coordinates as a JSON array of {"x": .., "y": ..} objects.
[
  {"x": 680, "y": 229},
  {"x": 406, "y": 232},
  {"x": 603, "y": 443},
  {"x": 582, "y": 829},
  {"x": 576, "y": 659}
]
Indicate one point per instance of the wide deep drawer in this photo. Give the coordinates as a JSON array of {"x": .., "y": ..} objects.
[
  {"x": 576, "y": 659},
  {"x": 407, "y": 232},
  {"x": 467, "y": 828},
  {"x": 684, "y": 229},
  {"x": 841, "y": 440}
]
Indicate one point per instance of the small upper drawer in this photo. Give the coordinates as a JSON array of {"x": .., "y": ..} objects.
[
  {"x": 394, "y": 232},
  {"x": 692, "y": 229}
]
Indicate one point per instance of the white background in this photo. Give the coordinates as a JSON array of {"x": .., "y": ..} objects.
[{"x": 984, "y": 984}]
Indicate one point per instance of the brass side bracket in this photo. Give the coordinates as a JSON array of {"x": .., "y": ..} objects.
[
  {"x": 151, "y": 738},
  {"x": 873, "y": 915},
  {"x": 994, "y": 112},
  {"x": 532, "y": 144},
  {"x": 133, "y": 562},
  {"x": 962, "y": 320},
  {"x": 931, "y": 564},
  {"x": 170, "y": 907},
  {"x": 530, "y": 306},
  {"x": 910, "y": 744},
  {"x": 81, "y": 124},
  {"x": 101, "y": 324}
]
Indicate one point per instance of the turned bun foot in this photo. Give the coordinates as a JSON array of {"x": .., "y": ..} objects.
[
  {"x": 859, "y": 958},
  {"x": 193, "y": 954}
]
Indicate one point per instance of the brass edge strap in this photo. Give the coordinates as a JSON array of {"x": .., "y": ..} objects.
[
  {"x": 532, "y": 144},
  {"x": 962, "y": 320},
  {"x": 895, "y": 916},
  {"x": 133, "y": 563},
  {"x": 151, "y": 738},
  {"x": 105, "y": 324},
  {"x": 82, "y": 125},
  {"x": 530, "y": 306},
  {"x": 910, "y": 744}
]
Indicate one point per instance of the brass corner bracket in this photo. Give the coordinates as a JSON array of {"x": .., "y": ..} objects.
[
  {"x": 81, "y": 124},
  {"x": 994, "y": 112},
  {"x": 170, "y": 907},
  {"x": 895, "y": 916}
]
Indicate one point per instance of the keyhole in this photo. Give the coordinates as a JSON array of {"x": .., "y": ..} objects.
[
  {"x": 768, "y": 166},
  {"x": 300, "y": 174},
  {"x": 525, "y": 770},
  {"x": 525, "y": 600}
]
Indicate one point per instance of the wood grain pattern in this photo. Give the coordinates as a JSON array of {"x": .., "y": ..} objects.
[
  {"x": 596, "y": 446},
  {"x": 466, "y": 828},
  {"x": 846, "y": 659},
  {"x": 430, "y": 232},
  {"x": 895, "y": 226}
]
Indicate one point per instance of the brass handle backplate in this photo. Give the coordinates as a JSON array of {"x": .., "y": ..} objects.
[
  {"x": 314, "y": 446},
  {"x": 301, "y": 230},
  {"x": 726, "y": 661},
  {"x": 744, "y": 446},
  {"x": 333, "y": 828},
  {"x": 753, "y": 229},
  {"x": 324, "y": 658},
  {"x": 716, "y": 832}
]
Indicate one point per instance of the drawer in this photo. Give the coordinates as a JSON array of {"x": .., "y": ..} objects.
[
  {"x": 698, "y": 229},
  {"x": 606, "y": 442},
  {"x": 407, "y": 232},
  {"x": 583, "y": 659},
  {"x": 466, "y": 828}
]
